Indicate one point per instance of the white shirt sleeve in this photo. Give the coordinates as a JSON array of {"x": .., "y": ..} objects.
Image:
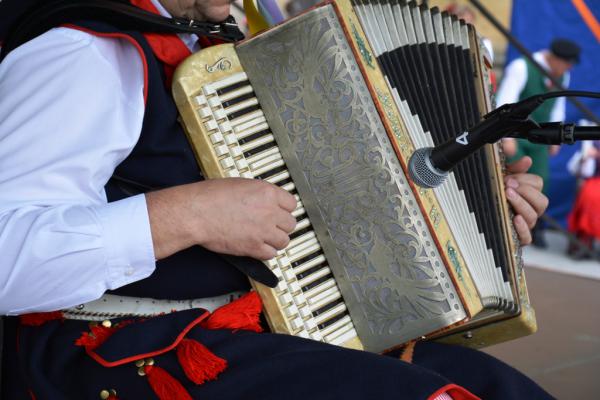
[
  {"x": 559, "y": 110},
  {"x": 71, "y": 109},
  {"x": 513, "y": 82}
]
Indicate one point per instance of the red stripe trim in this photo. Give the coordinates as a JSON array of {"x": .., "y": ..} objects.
[
  {"x": 120, "y": 36},
  {"x": 455, "y": 391},
  {"x": 126, "y": 360}
]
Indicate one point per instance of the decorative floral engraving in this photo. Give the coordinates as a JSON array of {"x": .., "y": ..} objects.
[
  {"x": 365, "y": 214},
  {"x": 454, "y": 260},
  {"x": 362, "y": 48}
]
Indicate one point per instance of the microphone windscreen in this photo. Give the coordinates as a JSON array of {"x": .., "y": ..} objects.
[{"x": 422, "y": 171}]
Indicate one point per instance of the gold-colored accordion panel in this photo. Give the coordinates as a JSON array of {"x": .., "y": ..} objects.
[{"x": 330, "y": 105}]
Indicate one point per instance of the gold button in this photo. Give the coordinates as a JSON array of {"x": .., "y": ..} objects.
[
  {"x": 140, "y": 363},
  {"x": 150, "y": 361},
  {"x": 113, "y": 392},
  {"x": 141, "y": 372},
  {"x": 106, "y": 323},
  {"x": 105, "y": 394}
]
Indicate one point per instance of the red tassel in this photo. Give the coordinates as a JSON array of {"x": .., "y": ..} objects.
[
  {"x": 98, "y": 335},
  {"x": 242, "y": 313},
  {"x": 198, "y": 362},
  {"x": 37, "y": 319},
  {"x": 113, "y": 397},
  {"x": 164, "y": 385}
]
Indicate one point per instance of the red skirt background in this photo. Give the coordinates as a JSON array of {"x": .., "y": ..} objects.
[{"x": 584, "y": 219}]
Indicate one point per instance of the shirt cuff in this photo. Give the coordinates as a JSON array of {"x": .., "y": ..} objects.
[{"x": 128, "y": 240}]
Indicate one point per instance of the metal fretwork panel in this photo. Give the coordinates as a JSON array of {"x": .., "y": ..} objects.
[{"x": 367, "y": 220}]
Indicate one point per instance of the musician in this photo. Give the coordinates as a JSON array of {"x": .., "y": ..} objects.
[
  {"x": 521, "y": 80},
  {"x": 99, "y": 191}
]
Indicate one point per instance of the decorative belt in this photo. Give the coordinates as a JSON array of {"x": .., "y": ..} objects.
[{"x": 112, "y": 306}]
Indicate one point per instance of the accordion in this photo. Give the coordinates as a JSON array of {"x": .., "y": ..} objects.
[{"x": 330, "y": 105}]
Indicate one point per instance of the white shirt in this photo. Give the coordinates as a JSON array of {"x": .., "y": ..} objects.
[
  {"x": 71, "y": 110},
  {"x": 515, "y": 79}
]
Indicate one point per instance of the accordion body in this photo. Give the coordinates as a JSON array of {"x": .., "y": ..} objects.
[{"x": 322, "y": 107}]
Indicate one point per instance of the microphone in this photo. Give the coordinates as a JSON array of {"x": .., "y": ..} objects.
[
  {"x": 559, "y": 133},
  {"x": 428, "y": 167}
]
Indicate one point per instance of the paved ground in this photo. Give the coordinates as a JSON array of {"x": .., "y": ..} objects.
[{"x": 564, "y": 355}]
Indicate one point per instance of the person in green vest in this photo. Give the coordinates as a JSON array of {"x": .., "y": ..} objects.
[{"x": 521, "y": 80}]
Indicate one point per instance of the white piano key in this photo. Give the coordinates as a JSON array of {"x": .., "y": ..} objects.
[
  {"x": 199, "y": 100},
  {"x": 332, "y": 312},
  {"x": 310, "y": 263},
  {"x": 316, "y": 335},
  {"x": 319, "y": 291},
  {"x": 283, "y": 261},
  {"x": 216, "y": 137},
  {"x": 289, "y": 274},
  {"x": 235, "y": 151},
  {"x": 241, "y": 105},
  {"x": 299, "y": 240},
  {"x": 303, "y": 334},
  {"x": 208, "y": 90},
  {"x": 247, "y": 175},
  {"x": 310, "y": 324},
  {"x": 234, "y": 94},
  {"x": 248, "y": 119},
  {"x": 350, "y": 334},
  {"x": 221, "y": 150},
  {"x": 265, "y": 165},
  {"x": 205, "y": 112},
  {"x": 255, "y": 158},
  {"x": 303, "y": 223},
  {"x": 219, "y": 114},
  {"x": 230, "y": 139},
  {"x": 291, "y": 311},
  {"x": 214, "y": 102},
  {"x": 250, "y": 131},
  {"x": 227, "y": 163},
  {"x": 258, "y": 142},
  {"x": 314, "y": 276},
  {"x": 232, "y": 173},
  {"x": 272, "y": 263},
  {"x": 278, "y": 177},
  {"x": 324, "y": 298},
  {"x": 305, "y": 312},
  {"x": 336, "y": 325},
  {"x": 297, "y": 323},
  {"x": 282, "y": 287},
  {"x": 211, "y": 125},
  {"x": 288, "y": 187},
  {"x": 303, "y": 249},
  {"x": 339, "y": 331},
  {"x": 298, "y": 211},
  {"x": 294, "y": 287},
  {"x": 230, "y": 80},
  {"x": 241, "y": 163},
  {"x": 286, "y": 299}
]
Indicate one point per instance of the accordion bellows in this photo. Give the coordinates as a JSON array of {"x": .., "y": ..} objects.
[{"x": 330, "y": 105}]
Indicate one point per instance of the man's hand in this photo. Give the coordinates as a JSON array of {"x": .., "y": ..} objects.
[
  {"x": 242, "y": 217},
  {"x": 524, "y": 192}
]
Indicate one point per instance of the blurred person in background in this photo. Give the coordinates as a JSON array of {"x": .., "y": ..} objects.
[
  {"x": 584, "y": 219},
  {"x": 521, "y": 80}
]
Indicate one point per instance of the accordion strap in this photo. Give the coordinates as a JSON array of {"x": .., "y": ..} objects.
[{"x": 116, "y": 12}]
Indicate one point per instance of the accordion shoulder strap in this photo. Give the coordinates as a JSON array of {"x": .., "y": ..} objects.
[{"x": 119, "y": 13}]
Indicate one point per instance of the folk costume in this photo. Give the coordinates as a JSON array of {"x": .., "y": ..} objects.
[
  {"x": 521, "y": 80},
  {"x": 132, "y": 135}
]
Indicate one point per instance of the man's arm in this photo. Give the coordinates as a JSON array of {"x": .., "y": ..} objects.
[
  {"x": 513, "y": 82},
  {"x": 66, "y": 121}
]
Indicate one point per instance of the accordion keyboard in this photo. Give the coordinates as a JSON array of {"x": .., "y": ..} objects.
[{"x": 307, "y": 294}]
